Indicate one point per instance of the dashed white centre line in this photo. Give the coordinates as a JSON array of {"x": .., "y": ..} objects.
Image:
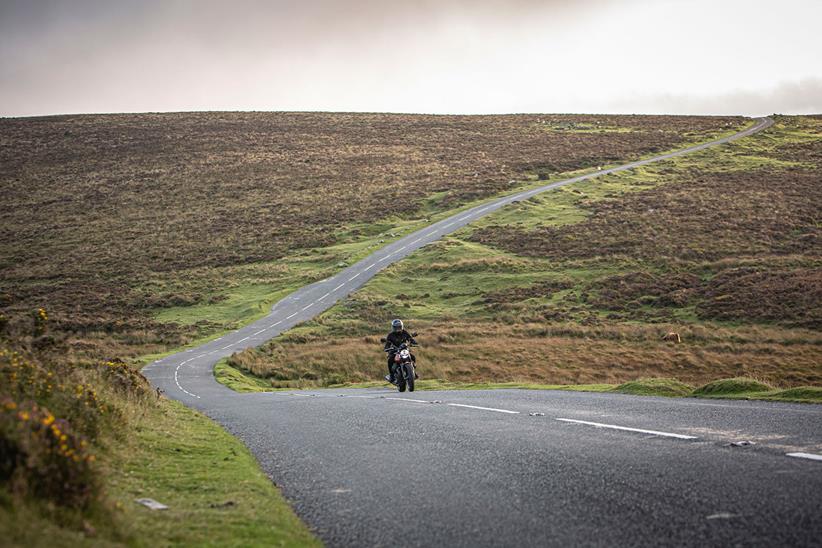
[
  {"x": 415, "y": 241},
  {"x": 369, "y": 267},
  {"x": 324, "y": 296},
  {"x": 336, "y": 288},
  {"x": 260, "y": 331},
  {"x": 291, "y": 316},
  {"x": 409, "y": 399},
  {"x": 351, "y": 279},
  {"x": 227, "y": 346},
  {"x": 809, "y": 456},
  {"x": 627, "y": 429},
  {"x": 306, "y": 307},
  {"x": 177, "y": 382},
  {"x": 483, "y": 408},
  {"x": 245, "y": 339}
]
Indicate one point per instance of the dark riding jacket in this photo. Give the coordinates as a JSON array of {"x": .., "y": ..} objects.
[{"x": 396, "y": 338}]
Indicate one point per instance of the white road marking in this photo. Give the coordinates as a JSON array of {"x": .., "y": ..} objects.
[
  {"x": 306, "y": 307},
  {"x": 625, "y": 428},
  {"x": 400, "y": 249},
  {"x": 483, "y": 209},
  {"x": 384, "y": 258},
  {"x": 415, "y": 241},
  {"x": 324, "y": 296},
  {"x": 291, "y": 316},
  {"x": 483, "y": 408},
  {"x": 354, "y": 276},
  {"x": 260, "y": 331},
  {"x": 177, "y": 382},
  {"x": 336, "y": 288},
  {"x": 409, "y": 399},
  {"x": 300, "y": 395},
  {"x": 274, "y": 324},
  {"x": 227, "y": 346},
  {"x": 241, "y": 340},
  {"x": 217, "y": 339},
  {"x": 369, "y": 267},
  {"x": 809, "y": 456}
]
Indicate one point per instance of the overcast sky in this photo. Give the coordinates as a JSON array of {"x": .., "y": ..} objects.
[{"x": 440, "y": 56}]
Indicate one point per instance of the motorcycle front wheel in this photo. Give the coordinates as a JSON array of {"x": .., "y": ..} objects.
[{"x": 410, "y": 378}]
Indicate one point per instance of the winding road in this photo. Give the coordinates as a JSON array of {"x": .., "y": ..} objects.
[{"x": 513, "y": 467}]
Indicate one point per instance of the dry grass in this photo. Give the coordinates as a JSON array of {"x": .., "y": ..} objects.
[{"x": 553, "y": 354}]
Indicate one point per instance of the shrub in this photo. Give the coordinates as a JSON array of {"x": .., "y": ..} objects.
[
  {"x": 125, "y": 380},
  {"x": 42, "y": 456}
]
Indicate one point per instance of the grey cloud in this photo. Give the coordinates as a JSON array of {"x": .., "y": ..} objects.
[{"x": 798, "y": 97}]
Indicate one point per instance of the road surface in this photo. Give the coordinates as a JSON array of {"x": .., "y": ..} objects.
[{"x": 513, "y": 468}]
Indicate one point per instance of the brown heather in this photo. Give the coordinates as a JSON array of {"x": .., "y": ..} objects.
[{"x": 107, "y": 219}]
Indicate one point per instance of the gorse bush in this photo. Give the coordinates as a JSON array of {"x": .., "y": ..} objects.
[
  {"x": 53, "y": 417},
  {"x": 42, "y": 456},
  {"x": 124, "y": 379}
]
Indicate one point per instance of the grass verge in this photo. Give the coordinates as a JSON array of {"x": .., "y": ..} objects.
[{"x": 216, "y": 492}]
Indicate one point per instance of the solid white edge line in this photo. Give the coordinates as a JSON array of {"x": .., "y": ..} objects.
[
  {"x": 627, "y": 429},
  {"x": 809, "y": 456},
  {"x": 483, "y": 408},
  {"x": 409, "y": 399}
]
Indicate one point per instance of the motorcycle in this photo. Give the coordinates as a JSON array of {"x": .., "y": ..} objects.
[{"x": 404, "y": 366}]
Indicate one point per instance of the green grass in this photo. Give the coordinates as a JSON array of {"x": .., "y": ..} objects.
[
  {"x": 654, "y": 387},
  {"x": 238, "y": 380},
  {"x": 737, "y": 385},
  {"x": 216, "y": 493}
]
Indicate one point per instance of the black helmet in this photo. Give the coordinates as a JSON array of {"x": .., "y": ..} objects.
[{"x": 396, "y": 325}]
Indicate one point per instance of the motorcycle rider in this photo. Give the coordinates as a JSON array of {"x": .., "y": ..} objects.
[{"x": 393, "y": 340}]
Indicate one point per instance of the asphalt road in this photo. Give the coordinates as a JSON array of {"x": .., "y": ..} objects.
[{"x": 476, "y": 468}]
